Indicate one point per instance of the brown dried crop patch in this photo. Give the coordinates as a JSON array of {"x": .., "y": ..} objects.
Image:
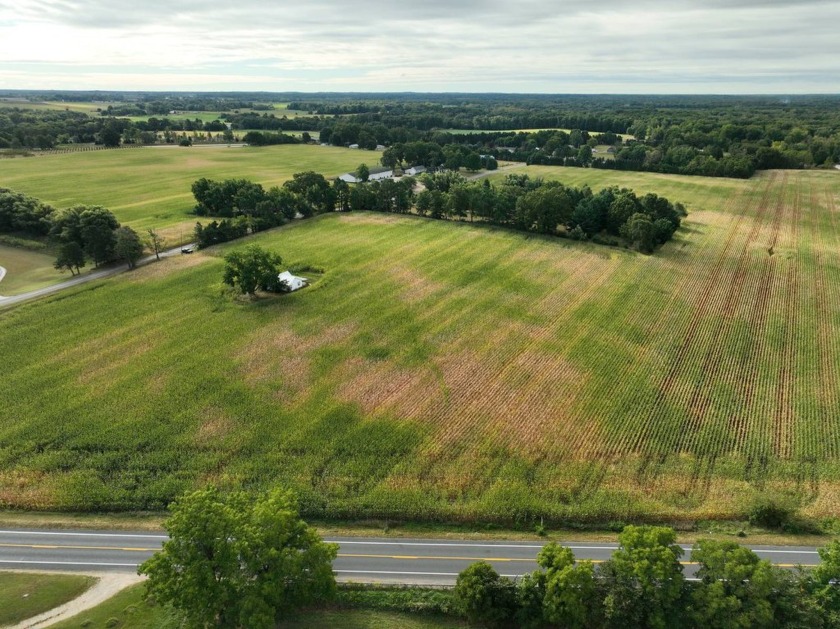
[
  {"x": 385, "y": 387},
  {"x": 415, "y": 284},
  {"x": 276, "y": 353},
  {"x": 26, "y": 489},
  {"x": 369, "y": 219},
  {"x": 166, "y": 266},
  {"x": 215, "y": 425},
  {"x": 524, "y": 403}
]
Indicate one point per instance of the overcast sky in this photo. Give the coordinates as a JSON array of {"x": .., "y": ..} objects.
[{"x": 561, "y": 46}]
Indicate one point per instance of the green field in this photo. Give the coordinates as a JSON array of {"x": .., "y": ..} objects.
[
  {"x": 27, "y": 270},
  {"x": 450, "y": 371},
  {"x": 150, "y": 187},
  {"x": 25, "y": 595},
  {"x": 84, "y": 107},
  {"x": 131, "y": 612}
]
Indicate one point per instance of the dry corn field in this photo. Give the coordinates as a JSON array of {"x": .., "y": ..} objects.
[{"x": 456, "y": 372}]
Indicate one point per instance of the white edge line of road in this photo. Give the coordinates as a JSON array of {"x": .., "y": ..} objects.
[
  {"x": 69, "y": 534},
  {"x": 67, "y": 563},
  {"x": 570, "y": 546}
]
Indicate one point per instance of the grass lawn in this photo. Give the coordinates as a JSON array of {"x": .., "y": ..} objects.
[
  {"x": 128, "y": 610},
  {"x": 24, "y": 595},
  {"x": 27, "y": 270},
  {"x": 456, "y": 372},
  {"x": 365, "y": 619}
]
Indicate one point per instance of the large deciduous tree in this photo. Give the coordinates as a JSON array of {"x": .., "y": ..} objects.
[
  {"x": 251, "y": 268},
  {"x": 127, "y": 246},
  {"x": 97, "y": 226},
  {"x": 644, "y": 579},
  {"x": 235, "y": 561}
]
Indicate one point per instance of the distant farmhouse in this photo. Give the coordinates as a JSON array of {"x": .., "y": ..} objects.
[{"x": 377, "y": 174}]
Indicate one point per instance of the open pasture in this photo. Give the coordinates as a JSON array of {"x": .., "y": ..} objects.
[
  {"x": 150, "y": 186},
  {"x": 453, "y": 371}
]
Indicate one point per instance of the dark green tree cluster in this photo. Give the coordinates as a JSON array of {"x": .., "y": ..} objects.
[
  {"x": 252, "y": 268},
  {"x": 24, "y": 215},
  {"x": 258, "y": 138},
  {"x": 246, "y": 207},
  {"x": 238, "y": 561},
  {"x": 92, "y": 232},
  {"x": 79, "y": 233},
  {"x": 643, "y": 585}
]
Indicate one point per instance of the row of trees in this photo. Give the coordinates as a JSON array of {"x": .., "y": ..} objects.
[
  {"x": 451, "y": 156},
  {"x": 643, "y": 585},
  {"x": 519, "y": 202},
  {"x": 612, "y": 215}
]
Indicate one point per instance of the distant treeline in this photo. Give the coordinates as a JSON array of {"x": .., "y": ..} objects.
[
  {"x": 613, "y": 215},
  {"x": 696, "y": 135}
]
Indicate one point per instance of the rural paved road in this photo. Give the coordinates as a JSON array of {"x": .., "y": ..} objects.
[
  {"x": 416, "y": 561},
  {"x": 82, "y": 279}
]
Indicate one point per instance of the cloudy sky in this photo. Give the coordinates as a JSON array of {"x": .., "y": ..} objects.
[{"x": 547, "y": 46}]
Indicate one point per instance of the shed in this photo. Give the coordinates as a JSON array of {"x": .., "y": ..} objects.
[
  {"x": 416, "y": 170},
  {"x": 290, "y": 283}
]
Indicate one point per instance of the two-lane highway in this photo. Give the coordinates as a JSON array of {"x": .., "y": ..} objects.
[{"x": 419, "y": 561}]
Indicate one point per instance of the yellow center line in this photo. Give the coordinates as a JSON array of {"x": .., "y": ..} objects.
[{"x": 350, "y": 555}]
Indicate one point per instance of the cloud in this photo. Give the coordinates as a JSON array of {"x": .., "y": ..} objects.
[{"x": 568, "y": 46}]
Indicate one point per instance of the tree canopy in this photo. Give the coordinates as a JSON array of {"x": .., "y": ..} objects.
[
  {"x": 233, "y": 560},
  {"x": 251, "y": 268}
]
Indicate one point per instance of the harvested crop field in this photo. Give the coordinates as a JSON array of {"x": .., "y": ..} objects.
[{"x": 455, "y": 371}]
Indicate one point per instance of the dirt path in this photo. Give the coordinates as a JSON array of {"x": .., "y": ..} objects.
[
  {"x": 107, "y": 586},
  {"x": 487, "y": 173}
]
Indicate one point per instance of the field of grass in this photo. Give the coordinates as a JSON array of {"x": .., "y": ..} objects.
[
  {"x": 150, "y": 187},
  {"x": 449, "y": 371},
  {"x": 128, "y": 610},
  {"x": 89, "y": 108},
  {"x": 24, "y": 595},
  {"x": 27, "y": 270}
]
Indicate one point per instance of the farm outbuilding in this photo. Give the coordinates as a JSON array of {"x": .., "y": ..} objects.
[{"x": 290, "y": 283}]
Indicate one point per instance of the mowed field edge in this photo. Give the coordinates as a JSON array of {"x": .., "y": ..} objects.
[{"x": 455, "y": 371}]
